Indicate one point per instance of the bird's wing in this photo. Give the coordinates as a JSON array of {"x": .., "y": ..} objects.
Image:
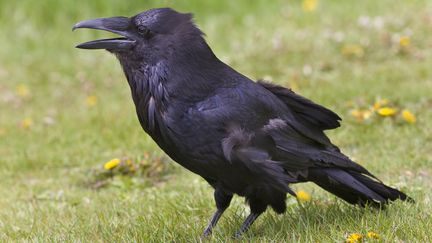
[
  {"x": 296, "y": 139},
  {"x": 297, "y": 152},
  {"x": 309, "y": 112}
]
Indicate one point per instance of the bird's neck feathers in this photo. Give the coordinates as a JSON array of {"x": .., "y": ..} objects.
[
  {"x": 148, "y": 87},
  {"x": 186, "y": 75}
]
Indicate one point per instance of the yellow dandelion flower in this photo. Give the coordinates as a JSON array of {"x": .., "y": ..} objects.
[
  {"x": 361, "y": 114},
  {"x": 91, "y": 100},
  {"x": 303, "y": 196},
  {"x": 26, "y": 123},
  {"x": 376, "y": 105},
  {"x": 387, "y": 111},
  {"x": 379, "y": 103},
  {"x": 111, "y": 164},
  {"x": 354, "y": 50},
  {"x": 354, "y": 238},
  {"x": 404, "y": 41},
  {"x": 408, "y": 116},
  {"x": 22, "y": 90},
  {"x": 356, "y": 113},
  {"x": 309, "y": 5},
  {"x": 373, "y": 235},
  {"x": 367, "y": 114}
]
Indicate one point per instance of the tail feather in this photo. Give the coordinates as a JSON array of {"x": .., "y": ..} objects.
[
  {"x": 355, "y": 188},
  {"x": 387, "y": 192}
]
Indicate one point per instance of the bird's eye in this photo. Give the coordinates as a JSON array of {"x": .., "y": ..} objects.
[{"x": 144, "y": 31}]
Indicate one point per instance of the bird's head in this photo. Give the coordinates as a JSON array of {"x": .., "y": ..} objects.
[{"x": 147, "y": 36}]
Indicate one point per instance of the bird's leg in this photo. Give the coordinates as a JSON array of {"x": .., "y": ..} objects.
[
  {"x": 257, "y": 207},
  {"x": 213, "y": 221},
  {"x": 246, "y": 224},
  {"x": 223, "y": 200}
]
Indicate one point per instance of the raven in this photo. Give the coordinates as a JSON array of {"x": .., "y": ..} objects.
[{"x": 243, "y": 137}]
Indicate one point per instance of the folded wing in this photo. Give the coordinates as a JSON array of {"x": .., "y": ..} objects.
[{"x": 307, "y": 111}]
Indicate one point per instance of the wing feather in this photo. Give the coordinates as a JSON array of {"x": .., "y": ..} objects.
[{"x": 305, "y": 110}]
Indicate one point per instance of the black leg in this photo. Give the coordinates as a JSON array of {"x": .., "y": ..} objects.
[
  {"x": 257, "y": 207},
  {"x": 213, "y": 221},
  {"x": 223, "y": 200},
  {"x": 246, "y": 224}
]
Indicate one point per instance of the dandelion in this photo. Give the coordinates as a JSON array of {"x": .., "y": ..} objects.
[
  {"x": 355, "y": 237},
  {"x": 408, "y": 116},
  {"x": 387, "y": 111},
  {"x": 22, "y": 90},
  {"x": 26, "y": 123},
  {"x": 361, "y": 114},
  {"x": 373, "y": 235},
  {"x": 367, "y": 114},
  {"x": 91, "y": 100},
  {"x": 303, "y": 196},
  {"x": 309, "y": 5},
  {"x": 404, "y": 41},
  {"x": 380, "y": 103},
  {"x": 352, "y": 50},
  {"x": 357, "y": 114},
  {"x": 111, "y": 164}
]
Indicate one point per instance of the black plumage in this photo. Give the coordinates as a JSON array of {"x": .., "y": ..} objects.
[{"x": 247, "y": 138}]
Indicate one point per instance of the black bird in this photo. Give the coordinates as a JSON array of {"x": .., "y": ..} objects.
[{"x": 247, "y": 138}]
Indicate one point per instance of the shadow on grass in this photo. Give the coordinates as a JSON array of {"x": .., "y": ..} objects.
[{"x": 302, "y": 220}]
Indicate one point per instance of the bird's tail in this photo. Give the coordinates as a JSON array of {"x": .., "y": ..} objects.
[{"x": 354, "y": 187}]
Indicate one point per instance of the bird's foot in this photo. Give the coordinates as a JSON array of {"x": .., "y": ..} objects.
[
  {"x": 246, "y": 225},
  {"x": 207, "y": 233}
]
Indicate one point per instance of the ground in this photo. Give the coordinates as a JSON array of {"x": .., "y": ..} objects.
[{"x": 65, "y": 112}]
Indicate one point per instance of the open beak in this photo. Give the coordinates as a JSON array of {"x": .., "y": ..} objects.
[{"x": 117, "y": 25}]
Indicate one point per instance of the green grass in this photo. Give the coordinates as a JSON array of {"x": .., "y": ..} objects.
[{"x": 46, "y": 171}]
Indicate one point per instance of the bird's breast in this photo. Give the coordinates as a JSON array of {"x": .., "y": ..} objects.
[{"x": 147, "y": 83}]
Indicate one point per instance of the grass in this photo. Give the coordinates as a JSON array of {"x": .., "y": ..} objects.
[{"x": 48, "y": 169}]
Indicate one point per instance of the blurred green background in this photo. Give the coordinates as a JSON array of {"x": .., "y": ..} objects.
[{"x": 64, "y": 112}]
